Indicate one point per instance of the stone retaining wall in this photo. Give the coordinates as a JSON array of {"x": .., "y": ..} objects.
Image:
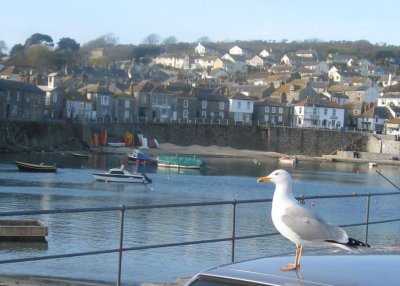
[{"x": 59, "y": 136}]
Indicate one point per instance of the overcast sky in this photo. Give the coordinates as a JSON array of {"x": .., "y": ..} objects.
[{"x": 220, "y": 20}]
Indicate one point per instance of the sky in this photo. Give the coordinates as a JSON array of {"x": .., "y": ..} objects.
[{"x": 130, "y": 21}]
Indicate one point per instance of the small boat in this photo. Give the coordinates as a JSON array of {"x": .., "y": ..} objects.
[
  {"x": 141, "y": 158},
  {"x": 116, "y": 144},
  {"x": 81, "y": 155},
  {"x": 288, "y": 160},
  {"x": 121, "y": 175},
  {"x": 180, "y": 162},
  {"x": 28, "y": 167},
  {"x": 372, "y": 164}
]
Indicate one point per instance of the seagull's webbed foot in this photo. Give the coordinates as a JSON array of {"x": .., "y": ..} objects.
[{"x": 290, "y": 267}]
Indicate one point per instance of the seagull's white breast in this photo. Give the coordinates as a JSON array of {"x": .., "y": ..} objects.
[{"x": 278, "y": 211}]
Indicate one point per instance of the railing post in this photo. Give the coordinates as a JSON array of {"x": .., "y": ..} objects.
[
  {"x": 121, "y": 240},
  {"x": 367, "y": 218},
  {"x": 233, "y": 230}
]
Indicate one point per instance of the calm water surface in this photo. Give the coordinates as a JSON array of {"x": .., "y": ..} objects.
[{"x": 225, "y": 179}]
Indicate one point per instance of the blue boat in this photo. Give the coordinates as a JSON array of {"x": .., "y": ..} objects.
[{"x": 141, "y": 158}]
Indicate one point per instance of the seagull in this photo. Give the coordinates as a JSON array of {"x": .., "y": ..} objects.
[{"x": 301, "y": 225}]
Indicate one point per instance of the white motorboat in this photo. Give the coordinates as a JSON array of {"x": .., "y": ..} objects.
[
  {"x": 372, "y": 164},
  {"x": 121, "y": 175}
]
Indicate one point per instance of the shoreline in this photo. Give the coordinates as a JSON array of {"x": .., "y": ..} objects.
[{"x": 214, "y": 151}]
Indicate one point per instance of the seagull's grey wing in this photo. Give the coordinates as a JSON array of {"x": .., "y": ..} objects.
[{"x": 309, "y": 226}]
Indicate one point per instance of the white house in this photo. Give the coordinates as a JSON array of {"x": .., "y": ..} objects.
[
  {"x": 264, "y": 54},
  {"x": 255, "y": 61},
  {"x": 236, "y": 50},
  {"x": 172, "y": 60},
  {"x": 318, "y": 113},
  {"x": 334, "y": 75},
  {"x": 373, "y": 119},
  {"x": 285, "y": 60},
  {"x": 200, "y": 49},
  {"x": 389, "y": 99},
  {"x": 204, "y": 62},
  {"x": 241, "y": 107}
]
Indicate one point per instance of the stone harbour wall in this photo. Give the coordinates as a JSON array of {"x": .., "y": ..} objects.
[{"x": 61, "y": 136}]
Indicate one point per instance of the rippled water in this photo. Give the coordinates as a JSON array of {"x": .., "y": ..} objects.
[{"x": 225, "y": 179}]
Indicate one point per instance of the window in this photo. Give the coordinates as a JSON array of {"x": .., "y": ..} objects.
[
  {"x": 248, "y": 105},
  {"x": 273, "y": 109},
  {"x": 355, "y": 111},
  {"x": 266, "y": 109},
  {"x": 203, "y": 114},
  {"x": 185, "y": 103},
  {"x": 280, "y": 119},
  {"x": 104, "y": 100},
  {"x": 221, "y": 115},
  {"x": 126, "y": 114},
  {"x": 127, "y": 103},
  {"x": 314, "y": 110},
  {"x": 300, "y": 110},
  {"x": 185, "y": 113},
  {"x": 325, "y": 111},
  {"x": 18, "y": 96},
  {"x": 221, "y": 105},
  {"x": 155, "y": 99},
  {"x": 47, "y": 99},
  {"x": 299, "y": 121},
  {"x": 266, "y": 118},
  {"x": 55, "y": 97},
  {"x": 143, "y": 99},
  {"x": 204, "y": 104},
  {"x": 212, "y": 114},
  {"x": 164, "y": 100},
  {"x": 164, "y": 112},
  {"x": 280, "y": 110},
  {"x": 239, "y": 104},
  {"x": 333, "y": 112},
  {"x": 8, "y": 96}
]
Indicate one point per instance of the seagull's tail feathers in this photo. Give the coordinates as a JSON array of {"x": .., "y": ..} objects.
[{"x": 352, "y": 244}]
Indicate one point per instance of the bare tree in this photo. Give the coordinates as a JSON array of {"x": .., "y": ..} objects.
[
  {"x": 152, "y": 39},
  {"x": 170, "y": 40},
  {"x": 204, "y": 39}
]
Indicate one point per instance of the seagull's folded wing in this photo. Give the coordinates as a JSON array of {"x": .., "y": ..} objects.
[{"x": 310, "y": 227}]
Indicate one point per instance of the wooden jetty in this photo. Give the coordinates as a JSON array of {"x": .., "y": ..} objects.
[{"x": 26, "y": 230}]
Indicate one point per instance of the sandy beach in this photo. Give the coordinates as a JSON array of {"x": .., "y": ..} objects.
[{"x": 202, "y": 151}]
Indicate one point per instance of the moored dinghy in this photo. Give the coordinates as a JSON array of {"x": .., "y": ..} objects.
[
  {"x": 180, "y": 162},
  {"x": 29, "y": 167}
]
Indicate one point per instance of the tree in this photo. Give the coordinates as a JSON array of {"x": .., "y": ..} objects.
[
  {"x": 152, "y": 39},
  {"x": 143, "y": 53},
  {"x": 3, "y": 47},
  {"x": 17, "y": 50},
  {"x": 204, "y": 39},
  {"x": 68, "y": 45},
  {"x": 170, "y": 40},
  {"x": 39, "y": 39},
  {"x": 39, "y": 56}
]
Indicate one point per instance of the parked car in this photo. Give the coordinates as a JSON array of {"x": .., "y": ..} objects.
[{"x": 343, "y": 270}]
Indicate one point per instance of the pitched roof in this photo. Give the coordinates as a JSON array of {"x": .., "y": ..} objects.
[
  {"x": 377, "y": 111},
  {"x": 317, "y": 102},
  {"x": 19, "y": 85}
]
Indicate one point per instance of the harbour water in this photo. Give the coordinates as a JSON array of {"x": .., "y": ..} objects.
[{"x": 224, "y": 179}]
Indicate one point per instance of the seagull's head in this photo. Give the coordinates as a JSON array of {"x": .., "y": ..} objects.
[{"x": 276, "y": 177}]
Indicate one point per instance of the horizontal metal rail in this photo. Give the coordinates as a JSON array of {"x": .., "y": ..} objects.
[{"x": 122, "y": 209}]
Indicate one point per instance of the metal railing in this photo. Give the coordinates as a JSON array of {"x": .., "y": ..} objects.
[{"x": 232, "y": 238}]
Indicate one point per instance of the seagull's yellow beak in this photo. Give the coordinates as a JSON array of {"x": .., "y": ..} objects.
[{"x": 263, "y": 179}]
